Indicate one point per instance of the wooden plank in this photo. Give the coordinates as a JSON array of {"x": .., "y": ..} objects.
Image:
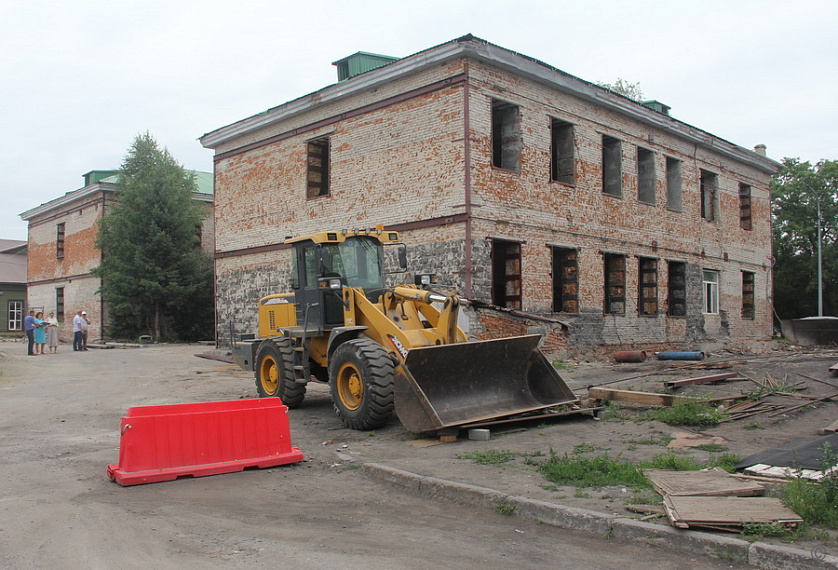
[
  {"x": 711, "y": 482},
  {"x": 831, "y": 428},
  {"x": 700, "y": 380},
  {"x": 687, "y": 512},
  {"x": 630, "y": 396}
]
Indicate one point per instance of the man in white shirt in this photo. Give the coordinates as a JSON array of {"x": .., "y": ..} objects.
[{"x": 78, "y": 331}]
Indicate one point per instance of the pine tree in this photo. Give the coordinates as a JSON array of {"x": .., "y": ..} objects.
[{"x": 155, "y": 278}]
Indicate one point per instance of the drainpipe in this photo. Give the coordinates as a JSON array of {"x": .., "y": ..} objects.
[{"x": 467, "y": 160}]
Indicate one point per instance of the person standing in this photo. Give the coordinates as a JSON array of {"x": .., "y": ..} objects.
[
  {"x": 40, "y": 333},
  {"x": 29, "y": 328},
  {"x": 52, "y": 333},
  {"x": 78, "y": 331},
  {"x": 84, "y": 327}
]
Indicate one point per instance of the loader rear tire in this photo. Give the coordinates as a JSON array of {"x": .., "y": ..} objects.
[
  {"x": 361, "y": 384},
  {"x": 275, "y": 373}
]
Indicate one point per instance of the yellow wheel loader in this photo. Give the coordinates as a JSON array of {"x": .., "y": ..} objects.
[{"x": 387, "y": 348}]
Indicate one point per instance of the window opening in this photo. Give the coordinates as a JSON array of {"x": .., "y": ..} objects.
[
  {"x": 506, "y": 136},
  {"x": 647, "y": 280},
  {"x": 506, "y": 274},
  {"x": 673, "y": 184},
  {"x": 709, "y": 195},
  {"x": 748, "y": 304},
  {"x": 59, "y": 303},
  {"x": 711, "y": 292},
  {"x": 612, "y": 170},
  {"x": 565, "y": 280},
  {"x": 59, "y": 240},
  {"x": 677, "y": 287},
  {"x": 744, "y": 206},
  {"x": 615, "y": 284},
  {"x": 645, "y": 175},
  {"x": 317, "y": 177},
  {"x": 15, "y": 315},
  {"x": 562, "y": 163}
]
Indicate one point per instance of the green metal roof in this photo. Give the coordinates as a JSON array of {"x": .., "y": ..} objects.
[
  {"x": 203, "y": 180},
  {"x": 360, "y": 62}
]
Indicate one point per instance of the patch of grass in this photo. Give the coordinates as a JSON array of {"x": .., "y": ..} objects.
[
  {"x": 599, "y": 471},
  {"x": 580, "y": 494},
  {"x": 688, "y": 413},
  {"x": 753, "y": 425},
  {"x": 489, "y": 457},
  {"x": 711, "y": 447},
  {"x": 758, "y": 531},
  {"x": 612, "y": 411},
  {"x": 561, "y": 364},
  {"x": 815, "y": 501},
  {"x": 657, "y": 439},
  {"x": 587, "y": 448},
  {"x": 505, "y": 509},
  {"x": 671, "y": 460},
  {"x": 726, "y": 461},
  {"x": 644, "y": 497}
]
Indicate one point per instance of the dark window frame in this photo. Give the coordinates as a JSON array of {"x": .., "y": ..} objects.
[
  {"x": 614, "y": 294},
  {"x": 60, "y": 239},
  {"x": 59, "y": 303},
  {"x": 506, "y": 273},
  {"x": 507, "y": 136},
  {"x": 745, "y": 206},
  {"x": 748, "y": 295},
  {"x": 647, "y": 286},
  {"x": 612, "y": 166},
  {"x": 562, "y": 152},
  {"x": 646, "y": 176},
  {"x": 565, "y": 275},
  {"x": 709, "y": 193},
  {"x": 676, "y": 289},
  {"x": 318, "y": 167}
]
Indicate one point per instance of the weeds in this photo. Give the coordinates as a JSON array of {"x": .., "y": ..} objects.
[
  {"x": 753, "y": 425},
  {"x": 561, "y": 364},
  {"x": 671, "y": 460},
  {"x": 658, "y": 439},
  {"x": 687, "y": 413},
  {"x": 587, "y": 448},
  {"x": 489, "y": 457},
  {"x": 505, "y": 509},
  {"x": 597, "y": 471},
  {"x": 815, "y": 502},
  {"x": 711, "y": 447},
  {"x": 726, "y": 461}
]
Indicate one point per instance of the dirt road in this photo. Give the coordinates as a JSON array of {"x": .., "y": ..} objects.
[{"x": 59, "y": 421}]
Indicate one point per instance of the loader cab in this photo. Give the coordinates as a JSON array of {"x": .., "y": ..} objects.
[{"x": 322, "y": 268}]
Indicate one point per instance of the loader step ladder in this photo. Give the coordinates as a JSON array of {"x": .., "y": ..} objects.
[{"x": 302, "y": 370}]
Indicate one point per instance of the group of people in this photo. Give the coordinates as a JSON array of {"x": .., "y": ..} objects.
[{"x": 42, "y": 333}]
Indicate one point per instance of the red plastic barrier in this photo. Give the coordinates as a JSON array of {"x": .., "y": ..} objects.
[{"x": 162, "y": 443}]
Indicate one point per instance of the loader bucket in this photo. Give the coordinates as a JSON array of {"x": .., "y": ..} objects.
[{"x": 455, "y": 384}]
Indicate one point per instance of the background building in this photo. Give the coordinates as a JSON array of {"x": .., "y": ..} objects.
[
  {"x": 12, "y": 285},
  {"x": 519, "y": 185},
  {"x": 62, "y": 251}
]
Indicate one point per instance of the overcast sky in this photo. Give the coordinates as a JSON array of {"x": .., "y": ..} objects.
[{"x": 81, "y": 79}]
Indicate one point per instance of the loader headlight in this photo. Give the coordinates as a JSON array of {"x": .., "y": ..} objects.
[
  {"x": 334, "y": 283},
  {"x": 424, "y": 279}
]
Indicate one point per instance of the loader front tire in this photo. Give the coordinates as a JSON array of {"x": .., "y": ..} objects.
[
  {"x": 361, "y": 384},
  {"x": 275, "y": 373}
]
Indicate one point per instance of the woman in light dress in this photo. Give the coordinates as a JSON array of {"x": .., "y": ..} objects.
[{"x": 52, "y": 333}]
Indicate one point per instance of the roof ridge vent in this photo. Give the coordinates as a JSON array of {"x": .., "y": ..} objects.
[{"x": 360, "y": 62}]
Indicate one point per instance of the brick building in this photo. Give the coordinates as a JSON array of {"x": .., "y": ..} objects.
[
  {"x": 62, "y": 233},
  {"x": 519, "y": 185}
]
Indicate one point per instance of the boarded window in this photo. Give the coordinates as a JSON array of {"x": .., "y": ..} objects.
[
  {"x": 744, "y": 206},
  {"x": 565, "y": 280},
  {"x": 645, "y": 175},
  {"x": 711, "y": 291},
  {"x": 506, "y": 136},
  {"x": 709, "y": 186},
  {"x": 317, "y": 177},
  {"x": 562, "y": 163},
  {"x": 677, "y": 286},
  {"x": 612, "y": 169},
  {"x": 647, "y": 282},
  {"x": 615, "y": 284},
  {"x": 506, "y": 274},
  {"x": 748, "y": 306},
  {"x": 60, "y": 231},
  {"x": 673, "y": 184}
]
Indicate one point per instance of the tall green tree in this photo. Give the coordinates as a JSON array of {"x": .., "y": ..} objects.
[
  {"x": 155, "y": 278},
  {"x": 798, "y": 191}
]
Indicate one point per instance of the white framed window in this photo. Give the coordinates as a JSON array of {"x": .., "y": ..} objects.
[
  {"x": 15, "y": 315},
  {"x": 711, "y": 292}
]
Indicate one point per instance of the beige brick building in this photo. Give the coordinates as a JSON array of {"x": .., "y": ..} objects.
[
  {"x": 519, "y": 185},
  {"x": 62, "y": 235}
]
